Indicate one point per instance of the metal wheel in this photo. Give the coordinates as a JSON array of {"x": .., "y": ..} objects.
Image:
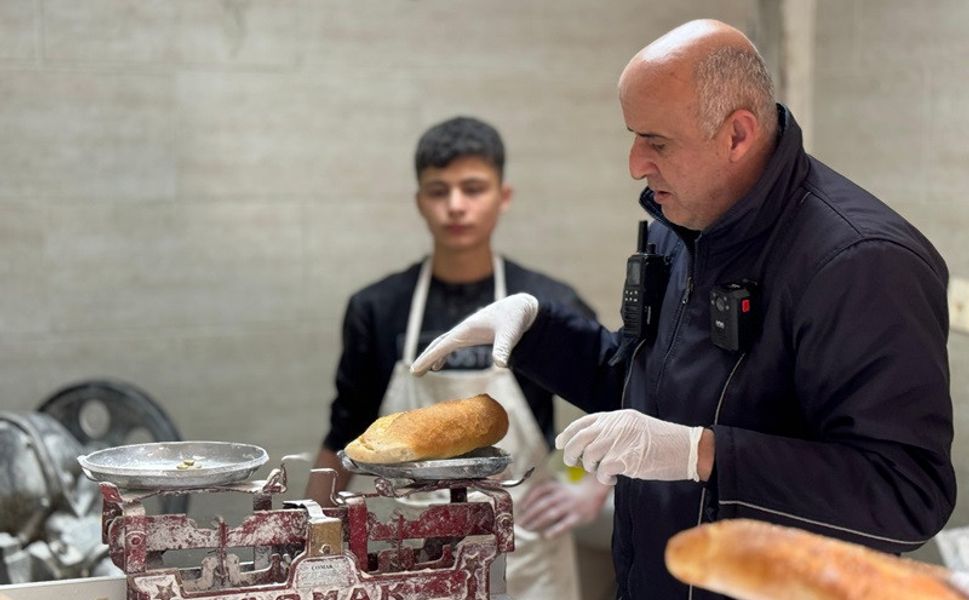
[{"x": 105, "y": 413}]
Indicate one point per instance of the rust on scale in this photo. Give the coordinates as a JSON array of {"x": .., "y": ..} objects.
[{"x": 304, "y": 551}]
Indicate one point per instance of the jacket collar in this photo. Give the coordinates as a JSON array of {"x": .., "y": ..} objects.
[{"x": 759, "y": 210}]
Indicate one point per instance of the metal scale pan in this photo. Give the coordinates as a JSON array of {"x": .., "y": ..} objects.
[
  {"x": 476, "y": 464},
  {"x": 173, "y": 465}
]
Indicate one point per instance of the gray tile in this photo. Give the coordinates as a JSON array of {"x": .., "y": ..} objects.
[
  {"x": 571, "y": 30},
  {"x": 836, "y": 41},
  {"x": 268, "y": 388},
  {"x": 17, "y": 30},
  {"x": 425, "y": 35},
  {"x": 947, "y": 153},
  {"x": 146, "y": 361},
  {"x": 130, "y": 31},
  {"x": 351, "y": 244},
  {"x": 238, "y": 32},
  {"x": 272, "y": 134},
  {"x": 85, "y": 135},
  {"x": 528, "y": 109},
  {"x": 529, "y": 36},
  {"x": 26, "y": 374},
  {"x": 23, "y": 303},
  {"x": 900, "y": 34},
  {"x": 881, "y": 146},
  {"x": 163, "y": 264}
]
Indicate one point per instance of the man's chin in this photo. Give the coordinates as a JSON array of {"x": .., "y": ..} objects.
[
  {"x": 451, "y": 244},
  {"x": 671, "y": 214},
  {"x": 679, "y": 219}
]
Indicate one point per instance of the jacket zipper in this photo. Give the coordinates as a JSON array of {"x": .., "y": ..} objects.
[
  {"x": 688, "y": 292},
  {"x": 687, "y": 295}
]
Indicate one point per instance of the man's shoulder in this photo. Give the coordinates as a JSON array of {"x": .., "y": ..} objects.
[
  {"x": 843, "y": 213},
  {"x": 838, "y": 214},
  {"x": 544, "y": 287}
]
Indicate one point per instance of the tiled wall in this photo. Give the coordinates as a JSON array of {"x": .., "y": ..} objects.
[{"x": 891, "y": 83}]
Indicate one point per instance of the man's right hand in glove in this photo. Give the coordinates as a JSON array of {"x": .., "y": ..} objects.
[{"x": 501, "y": 323}]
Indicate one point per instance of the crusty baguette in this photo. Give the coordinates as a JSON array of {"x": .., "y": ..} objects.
[
  {"x": 752, "y": 560},
  {"x": 443, "y": 430}
]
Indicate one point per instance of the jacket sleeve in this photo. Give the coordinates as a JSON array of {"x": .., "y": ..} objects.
[
  {"x": 568, "y": 354},
  {"x": 871, "y": 375},
  {"x": 579, "y": 306},
  {"x": 357, "y": 401}
]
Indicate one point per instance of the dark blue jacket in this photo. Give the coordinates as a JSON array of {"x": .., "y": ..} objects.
[{"x": 837, "y": 420}]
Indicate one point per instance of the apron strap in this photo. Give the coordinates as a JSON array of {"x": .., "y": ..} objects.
[
  {"x": 416, "y": 317},
  {"x": 419, "y": 301},
  {"x": 499, "y": 268}
]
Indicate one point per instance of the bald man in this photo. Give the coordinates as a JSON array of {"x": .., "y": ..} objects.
[{"x": 832, "y": 413}]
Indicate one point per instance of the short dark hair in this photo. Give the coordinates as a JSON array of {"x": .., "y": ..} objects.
[{"x": 456, "y": 138}]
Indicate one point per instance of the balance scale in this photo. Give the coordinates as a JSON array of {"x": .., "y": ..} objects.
[{"x": 299, "y": 551}]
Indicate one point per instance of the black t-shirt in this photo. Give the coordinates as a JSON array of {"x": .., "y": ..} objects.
[
  {"x": 373, "y": 339},
  {"x": 447, "y": 305}
]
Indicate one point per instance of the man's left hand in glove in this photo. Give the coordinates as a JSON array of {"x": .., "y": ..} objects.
[{"x": 630, "y": 443}]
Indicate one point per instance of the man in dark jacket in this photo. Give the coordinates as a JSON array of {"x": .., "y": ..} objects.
[{"x": 836, "y": 418}]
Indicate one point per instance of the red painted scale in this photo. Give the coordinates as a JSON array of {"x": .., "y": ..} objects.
[{"x": 302, "y": 551}]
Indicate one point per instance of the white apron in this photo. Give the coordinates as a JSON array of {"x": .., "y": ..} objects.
[{"x": 538, "y": 569}]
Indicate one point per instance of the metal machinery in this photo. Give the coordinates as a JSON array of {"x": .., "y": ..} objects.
[
  {"x": 299, "y": 550},
  {"x": 49, "y": 512}
]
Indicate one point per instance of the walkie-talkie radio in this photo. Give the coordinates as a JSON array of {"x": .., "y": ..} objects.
[{"x": 642, "y": 294}]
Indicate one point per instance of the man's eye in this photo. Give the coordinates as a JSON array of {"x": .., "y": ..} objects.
[
  {"x": 653, "y": 145},
  {"x": 474, "y": 190},
  {"x": 436, "y": 192}
]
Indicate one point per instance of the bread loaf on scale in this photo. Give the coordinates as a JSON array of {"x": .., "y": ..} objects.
[{"x": 443, "y": 430}]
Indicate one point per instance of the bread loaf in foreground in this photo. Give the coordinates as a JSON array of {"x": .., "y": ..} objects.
[
  {"x": 443, "y": 430},
  {"x": 753, "y": 560}
]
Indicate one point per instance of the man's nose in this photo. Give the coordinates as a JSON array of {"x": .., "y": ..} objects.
[
  {"x": 641, "y": 164},
  {"x": 456, "y": 201}
]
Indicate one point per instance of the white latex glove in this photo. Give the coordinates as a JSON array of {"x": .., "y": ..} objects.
[
  {"x": 960, "y": 581},
  {"x": 628, "y": 442},
  {"x": 552, "y": 507},
  {"x": 501, "y": 323}
]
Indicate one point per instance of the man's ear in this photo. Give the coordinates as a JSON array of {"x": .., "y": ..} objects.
[
  {"x": 744, "y": 130},
  {"x": 506, "y": 193}
]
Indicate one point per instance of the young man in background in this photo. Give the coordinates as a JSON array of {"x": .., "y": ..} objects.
[{"x": 461, "y": 195}]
